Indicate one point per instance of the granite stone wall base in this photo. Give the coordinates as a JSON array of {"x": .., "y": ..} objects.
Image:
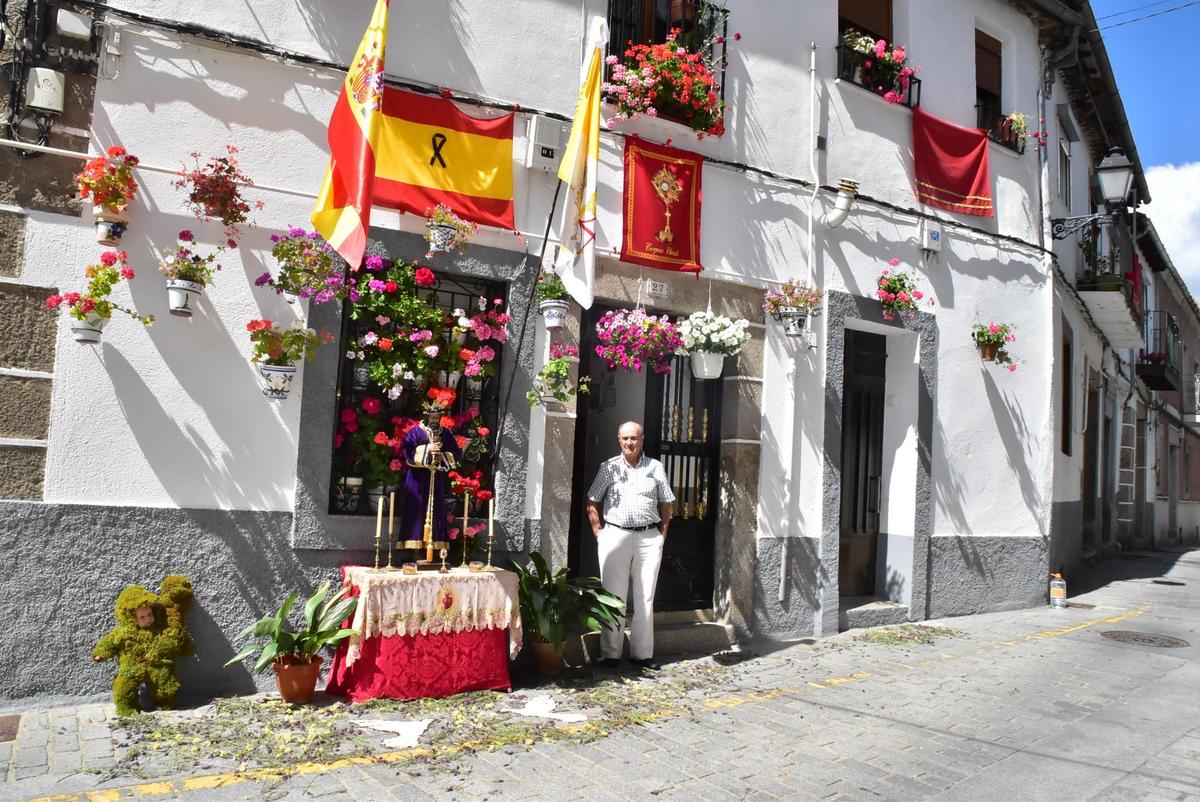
[
  {"x": 794, "y": 614},
  {"x": 1066, "y": 537},
  {"x": 67, "y": 563},
  {"x": 984, "y": 574}
]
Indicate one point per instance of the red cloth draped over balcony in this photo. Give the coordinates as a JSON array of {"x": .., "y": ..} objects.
[{"x": 950, "y": 164}]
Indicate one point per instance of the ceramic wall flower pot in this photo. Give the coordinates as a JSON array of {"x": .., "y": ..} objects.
[
  {"x": 183, "y": 296},
  {"x": 794, "y": 319},
  {"x": 988, "y": 351},
  {"x": 277, "y": 379},
  {"x": 554, "y": 313},
  {"x": 111, "y": 222},
  {"x": 707, "y": 365},
  {"x": 89, "y": 330},
  {"x": 441, "y": 237},
  {"x": 548, "y": 659},
  {"x": 297, "y": 681}
]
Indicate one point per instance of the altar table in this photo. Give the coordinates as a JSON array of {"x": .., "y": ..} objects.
[{"x": 427, "y": 634}]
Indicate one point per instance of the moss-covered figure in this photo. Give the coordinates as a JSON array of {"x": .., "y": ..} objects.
[{"x": 151, "y": 632}]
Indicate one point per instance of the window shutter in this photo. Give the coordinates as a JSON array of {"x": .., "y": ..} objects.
[
  {"x": 873, "y": 17},
  {"x": 987, "y": 63}
]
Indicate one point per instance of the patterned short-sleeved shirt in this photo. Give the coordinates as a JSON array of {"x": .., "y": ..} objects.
[{"x": 631, "y": 495}]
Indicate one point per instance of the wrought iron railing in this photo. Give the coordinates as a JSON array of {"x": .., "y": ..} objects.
[
  {"x": 1104, "y": 264},
  {"x": 1162, "y": 340},
  {"x": 1000, "y": 130},
  {"x": 853, "y": 67}
]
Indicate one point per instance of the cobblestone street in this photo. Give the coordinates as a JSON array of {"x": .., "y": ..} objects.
[{"x": 1030, "y": 704}]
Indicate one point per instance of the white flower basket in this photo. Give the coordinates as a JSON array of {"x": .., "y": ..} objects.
[
  {"x": 554, "y": 313},
  {"x": 707, "y": 364},
  {"x": 88, "y": 331},
  {"x": 794, "y": 320},
  {"x": 111, "y": 223},
  {"x": 277, "y": 379},
  {"x": 183, "y": 296},
  {"x": 441, "y": 237}
]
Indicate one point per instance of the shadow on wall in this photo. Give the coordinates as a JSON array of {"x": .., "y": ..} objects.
[
  {"x": 894, "y": 588},
  {"x": 1010, "y": 423},
  {"x": 797, "y": 559}
]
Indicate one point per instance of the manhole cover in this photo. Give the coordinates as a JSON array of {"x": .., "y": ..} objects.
[{"x": 1144, "y": 638}]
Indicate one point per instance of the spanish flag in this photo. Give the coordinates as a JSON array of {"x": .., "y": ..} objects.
[
  {"x": 342, "y": 213},
  {"x": 575, "y": 261},
  {"x": 430, "y": 152}
]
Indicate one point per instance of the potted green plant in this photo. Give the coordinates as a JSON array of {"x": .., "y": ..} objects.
[
  {"x": 445, "y": 231},
  {"x": 108, "y": 182},
  {"x": 553, "y": 381},
  {"x": 308, "y": 267},
  {"x": 293, "y": 653},
  {"x": 276, "y": 351},
  {"x": 992, "y": 340},
  {"x": 552, "y": 299},
  {"x": 897, "y": 292},
  {"x": 709, "y": 339},
  {"x": 552, "y": 604},
  {"x": 214, "y": 190},
  {"x": 91, "y": 309},
  {"x": 188, "y": 273},
  {"x": 792, "y": 304}
]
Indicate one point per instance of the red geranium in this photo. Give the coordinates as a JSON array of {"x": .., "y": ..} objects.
[{"x": 425, "y": 277}]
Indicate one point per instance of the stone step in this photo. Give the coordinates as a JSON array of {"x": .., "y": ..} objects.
[
  {"x": 672, "y": 638},
  {"x": 861, "y": 612}
]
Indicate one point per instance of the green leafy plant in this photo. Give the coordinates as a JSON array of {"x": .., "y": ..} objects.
[
  {"x": 554, "y": 379},
  {"x": 1019, "y": 125},
  {"x": 102, "y": 279},
  {"x": 793, "y": 294},
  {"x": 183, "y": 263},
  {"x": 276, "y": 346},
  {"x": 551, "y": 288},
  {"x": 552, "y": 604},
  {"x": 323, "y": 617}
]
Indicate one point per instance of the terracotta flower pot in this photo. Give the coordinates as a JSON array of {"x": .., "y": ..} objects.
[
  {"x": 297, "y": 681},
  {"x": 988, "y": 351},
  {"x": 548, "y": 658}
]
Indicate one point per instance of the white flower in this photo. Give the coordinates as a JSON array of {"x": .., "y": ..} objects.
[
  {"x": 349, "y": 355},
  {"x": 394, "y": 391}
]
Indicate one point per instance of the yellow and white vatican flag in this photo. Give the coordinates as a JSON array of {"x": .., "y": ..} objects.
[{"x": 575, "y": 260}]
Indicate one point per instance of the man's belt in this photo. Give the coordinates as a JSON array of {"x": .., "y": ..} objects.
[{"x": 638, "y": 528}]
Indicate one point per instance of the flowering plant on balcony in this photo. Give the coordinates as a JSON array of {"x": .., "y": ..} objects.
[
  {"x": 307, "y": 268},
  {"x": 992, "y": 340},
  {"x": 108, "y": 180},
  {"x": 103, "y": 278},
  {"x": 1152, "y": 357},
  {"x": 714, "y": 334},
  {"x": 886, "y": 70},
  {"x": 184, "y": 264},
  {"x": 553, "y": 381},
  {"x": 632, "y": 339},
  {"x": 669, "y": 80},
  {"x": 793, "y": 294},
  {"x": 276, "y": 346},
  {"x": 898, "y": 293},
  {"x": 214, "y": 190}
]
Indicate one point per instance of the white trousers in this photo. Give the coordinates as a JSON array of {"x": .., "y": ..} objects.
[{"x": 624, "y": 555}]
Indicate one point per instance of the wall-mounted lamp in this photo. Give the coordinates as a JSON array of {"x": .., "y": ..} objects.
[
  {"x": 1115, "y": 175},
  {"x": 847, "y": 189}
]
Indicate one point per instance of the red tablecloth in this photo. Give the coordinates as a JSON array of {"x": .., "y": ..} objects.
[{"x": 414, "y": 666}]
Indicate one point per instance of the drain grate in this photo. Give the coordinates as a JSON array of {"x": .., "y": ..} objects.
[{"x": 1144, "y": 639}]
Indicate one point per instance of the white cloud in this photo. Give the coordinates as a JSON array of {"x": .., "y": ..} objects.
[{"x": 1175, "y": 211}]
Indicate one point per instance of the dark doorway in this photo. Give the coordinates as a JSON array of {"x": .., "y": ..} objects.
[
  {"x": 681, "y": 417},
  {"x": 862, "y": 461},
  {"x": 1091, "y": 473}
]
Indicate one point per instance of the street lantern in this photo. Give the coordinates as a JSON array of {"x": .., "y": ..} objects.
[{"x": 1115, "y": 175}]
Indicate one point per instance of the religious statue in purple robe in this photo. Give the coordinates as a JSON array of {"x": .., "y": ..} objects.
[{"x": 427, "y": 445}]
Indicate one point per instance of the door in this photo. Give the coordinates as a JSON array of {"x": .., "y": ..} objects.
[
  {"x": 1090, "y": 474},
  {"x": 862, "y": 461},
  {"x": 682, "y": 420}
]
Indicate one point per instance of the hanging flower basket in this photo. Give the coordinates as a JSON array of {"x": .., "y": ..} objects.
[
  {"x": 277, "y": 380},
  {"x": 188, "y": 273},
  {"x": 707, "y": 365},
  {"x": 988, "y": 351},
  {"x": 276, "y": 351},
  {"x": 552, "y": 384},
  {"x": 89, "y": 329},
  {"x": 897, "y": 292},
  {"x": 111, "y": 223},
  {"x": 992, "y": 340},
  {"x": 709, "y": 338},
  {"x": 183, "y": 296},
  {"x": 792, "y": 304},
  {"x": 445, "y": 231},
  {"x": 633, "y": 339},
  {"x": 554, "y": 313}
]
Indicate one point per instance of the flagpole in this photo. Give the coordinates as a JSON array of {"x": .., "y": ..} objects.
[{"x": 524, "y": 325}]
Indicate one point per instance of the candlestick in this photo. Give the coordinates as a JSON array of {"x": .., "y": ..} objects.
[
  {"x": 378, "y": 528},
  {"x": 444, "y": 569},
  {"x": 391, "y": 526},
  {"x": 466, "y": 504},
  {"x": 491, "y": 526}
]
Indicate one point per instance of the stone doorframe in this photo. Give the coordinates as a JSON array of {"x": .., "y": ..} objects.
[
  {"x": 741, "y": 426},
  {"x": 841, "y": 307}
]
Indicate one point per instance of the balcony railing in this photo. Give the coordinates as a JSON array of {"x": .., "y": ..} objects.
[
  {"x": 852, "y": 67},
  {"x": 1000, "y": 130},
  {"x": 1158, "y": 362},
  {"x": 1106, "y": 284},
  {"x": 1191, "y": 406}
]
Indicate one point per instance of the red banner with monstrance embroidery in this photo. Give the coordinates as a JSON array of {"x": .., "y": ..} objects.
[{"x": 662, "y": 207}]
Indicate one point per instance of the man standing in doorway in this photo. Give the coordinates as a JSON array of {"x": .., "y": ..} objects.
[{"x": 637, "y": 511}]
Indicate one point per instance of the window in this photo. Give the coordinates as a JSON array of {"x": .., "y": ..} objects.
[
  {"x": 649, "y": 21},
  {"x": 872, "y": 17},
  {"x": 1066, "y": 419},
  {"x": 1064, "y": 167},
  {"x": 987, "y": 82}
]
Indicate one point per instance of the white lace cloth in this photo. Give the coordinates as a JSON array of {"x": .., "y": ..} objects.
[{"x": 428, "y": 603}]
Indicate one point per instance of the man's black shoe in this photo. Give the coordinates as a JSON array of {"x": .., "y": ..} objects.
[
  {"x": 649, "y": 664},
  {"x": 611, "y": 662}
]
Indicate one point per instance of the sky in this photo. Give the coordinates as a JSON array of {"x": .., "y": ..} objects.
[{"x": 1156, "y": 61}]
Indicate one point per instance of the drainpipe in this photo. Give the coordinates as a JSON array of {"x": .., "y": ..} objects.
[{"x": 812, "y": 152}]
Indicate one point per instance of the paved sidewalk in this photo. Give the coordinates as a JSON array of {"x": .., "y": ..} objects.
[{"x": 1028, "y": 705}]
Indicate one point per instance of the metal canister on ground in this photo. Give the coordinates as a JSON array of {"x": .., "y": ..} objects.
[{"x": 1058, "y": 591}]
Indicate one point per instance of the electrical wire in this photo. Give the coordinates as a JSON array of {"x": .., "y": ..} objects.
[
  {"x": 1146, "y": 16},
  {"x": 1135, "y": 9}
]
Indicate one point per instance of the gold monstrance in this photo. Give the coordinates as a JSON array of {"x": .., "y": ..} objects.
[{"x": 667, "y": 187}]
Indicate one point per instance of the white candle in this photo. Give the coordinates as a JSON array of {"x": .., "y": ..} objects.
[
  {"x": 379, "y": 519},
  {"x": 391, "y": 513},
  {"x": 491, "y": 515}
]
